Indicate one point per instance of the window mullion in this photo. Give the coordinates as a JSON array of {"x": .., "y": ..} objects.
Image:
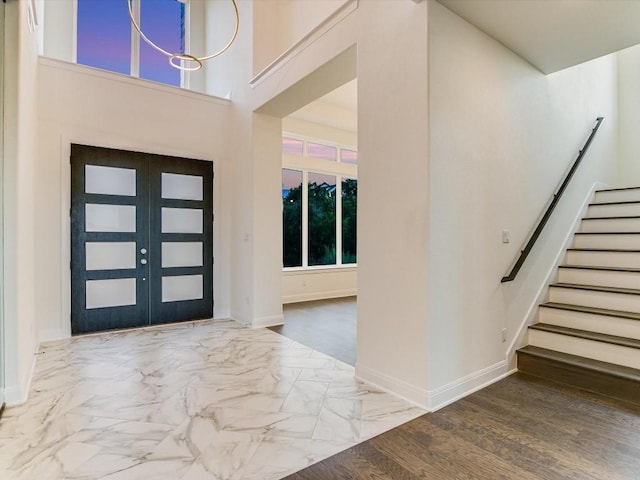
[
  {"x": 135, "y": 40},
  {"x": 338, "y": 220},
  {"x": 305, "y": 218},
  {"x": 185, "y": 76}
]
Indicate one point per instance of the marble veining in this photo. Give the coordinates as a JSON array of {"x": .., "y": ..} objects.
[{"x": 206, "y": 400}]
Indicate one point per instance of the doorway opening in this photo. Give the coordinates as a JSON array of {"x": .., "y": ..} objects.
[{"x": 319, "y": 195}]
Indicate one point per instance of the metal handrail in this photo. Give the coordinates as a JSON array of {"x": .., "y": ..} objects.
[{"x": 524, "y": 253}]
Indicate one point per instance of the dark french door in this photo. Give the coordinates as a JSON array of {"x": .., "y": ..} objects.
[{"x": 141, "y": 239}]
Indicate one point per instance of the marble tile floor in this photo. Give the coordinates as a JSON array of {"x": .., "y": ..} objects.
[{"x": 206, "y": 400}]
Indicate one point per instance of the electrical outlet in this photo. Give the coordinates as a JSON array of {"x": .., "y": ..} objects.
[
  {"x": 504, "y": 335},
  {"x": 506, "y": 236}
]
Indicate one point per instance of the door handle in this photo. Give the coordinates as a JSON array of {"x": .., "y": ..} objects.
[
  {"x": 143, "y": 261},
  {"x": 143, "y": 251}
]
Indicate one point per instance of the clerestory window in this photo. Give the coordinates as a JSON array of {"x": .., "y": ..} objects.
[
  {"x": 106, "y": 39},
  {"x": 319, "y": 204}
]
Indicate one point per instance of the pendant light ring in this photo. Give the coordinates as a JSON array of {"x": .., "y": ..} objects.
[{"x": 185, "y": 56}]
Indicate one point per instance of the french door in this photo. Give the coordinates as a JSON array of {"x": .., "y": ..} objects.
[{"x": 141, "y": 239}]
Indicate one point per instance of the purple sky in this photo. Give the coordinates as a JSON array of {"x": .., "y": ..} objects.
[{"x": 104, "y": 35}]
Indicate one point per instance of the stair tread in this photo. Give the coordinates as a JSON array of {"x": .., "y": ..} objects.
[
  {"x": 615, "y": 250},
  {"x": 583, "y": 362},
  {"x": 612, "y": 218},
  {"x": 607, "y": 233},
  {"x": 597, "y": 288},
  {"x": 622, "y": 202},
  {"x": 608, "y": 269},
  {"x": 593, "y": 310},
  {"x": 587, "y": 335},
  {"x": 617, "y": 189}
]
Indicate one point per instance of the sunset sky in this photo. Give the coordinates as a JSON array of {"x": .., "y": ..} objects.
[{"x": 104, "y": 36}]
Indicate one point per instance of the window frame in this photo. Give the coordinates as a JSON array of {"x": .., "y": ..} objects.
[
  {"x": 134, "y": 44},
  {"x": 341, "y": 171}
]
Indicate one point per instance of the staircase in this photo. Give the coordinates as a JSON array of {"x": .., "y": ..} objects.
[{"x": 588, "y": 333}]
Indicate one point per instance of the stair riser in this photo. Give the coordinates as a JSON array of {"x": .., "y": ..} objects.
[
  {"x": 584, "y": 378},
  {"x": 604, "y": 259},
  {"x": 611, "y": 225},
  {"x": 590, "y": 298},
  {"x": 622, "y": 210},
  {"x": 621, "y": 327},
  {"x": 603, "y": 278},
  {"x": 618, "y": 196},
  {"x": 622, "y": 241},
  {"x": 605, "y": 352}
]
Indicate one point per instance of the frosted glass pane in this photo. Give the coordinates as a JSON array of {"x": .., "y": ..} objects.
[
  {"x": 183, "y": 287},
  {"x": 110, "y": 218},
  {"x": 111, "y": 293},
  {"x": 181, "y": 220},
  {"x": 181, "y": 254},
  {"x": 181, "y": 187},
  {"x": 111, "y": 255},
  {"x": 110, "y": 180}
]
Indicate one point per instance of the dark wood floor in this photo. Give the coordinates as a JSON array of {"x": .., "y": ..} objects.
[
  {"x": 328, "y": 326},
  {"x": 518, "y": 428}
]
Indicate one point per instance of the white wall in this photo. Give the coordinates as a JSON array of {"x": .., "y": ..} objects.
[
  {"x": 87, "y": 106},
  {"x": 629, "y": 116},
  {"x": 312, "y": 129},
  {"x": 391, "y": 39},
  {"x": 282, "y": 23},
  {"x": 20, "y": 124},
  {"x": 502, "y": 137},
  {"x": 302, "y": 286},
  {"x": 434, "y": 152}
]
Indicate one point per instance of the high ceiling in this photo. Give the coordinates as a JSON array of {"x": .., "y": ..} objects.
[
  {"x": 555, "y": 34},
  {"x": 550, "y": 34}
]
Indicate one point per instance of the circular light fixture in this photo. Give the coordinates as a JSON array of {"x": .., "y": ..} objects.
[{"x": 180, "y": 57}]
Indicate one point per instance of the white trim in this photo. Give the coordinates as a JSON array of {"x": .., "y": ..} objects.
[
  {"x": 412, "y": 394},
  {"x": 53, "y": 334},
  {"x": 309, "y": 39},
  {"x": 127, "y": 79},
  {"x": 305, "y": 139},
  {"x": 270, "y": 321},
  {"x": 308, "y": 297},
  {"x": 242, "y": 318},
  {"x": 319, "y": 269},
  {"x": 65, "y": 235},
  {"x": 312, "y": 164},
  {"x": 454, "y": 391},
  {"x": 339, "y": 221},
  {"x": 532, "y": 312},
  {"x": 432, "y": 400},
  {"x": 305, "y": 219},
  {"x": 74, "y": 39},
  {"x": 185, "y": 75},
  {"x": 19, "y": 394},
  {"x": 134, "y": 42}
]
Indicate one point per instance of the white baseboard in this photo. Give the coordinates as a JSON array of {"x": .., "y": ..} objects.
[
  {"x": 18, "y": 394},
  {"x": 432, "y": 400},
  {"x": 451, "y": 392},
  {"x": 52, "y": 334},
  {"x": 307, "y": 297},
  {"x": 412, "y": 394},
  {"x": 270, "y": 321}
]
